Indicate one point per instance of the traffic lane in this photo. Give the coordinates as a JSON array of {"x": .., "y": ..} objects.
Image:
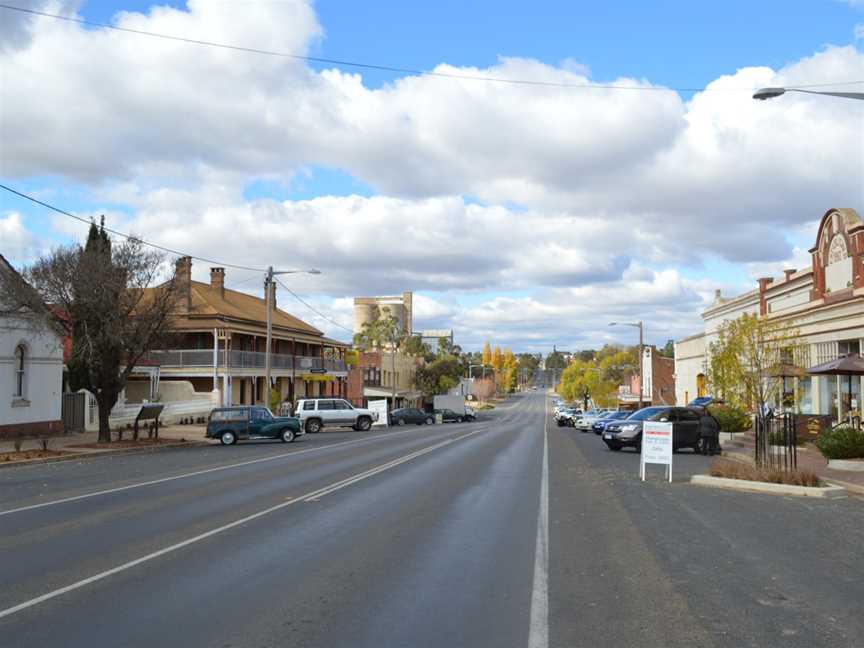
[
  {"x": 56, "y": 545},
  {"x": 755, "y": 569},
  {"x": 412, "y": 556},
  {"x": 22, "y": 485}
]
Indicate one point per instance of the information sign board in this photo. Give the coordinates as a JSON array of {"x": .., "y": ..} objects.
[
  {"x": 656, "y": 446},
  {"x": 379, "y": 406}
]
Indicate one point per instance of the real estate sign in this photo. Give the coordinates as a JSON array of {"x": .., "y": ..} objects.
[
  {"x": 656, "y": 446},
  {"x": 379, "y": 406}
]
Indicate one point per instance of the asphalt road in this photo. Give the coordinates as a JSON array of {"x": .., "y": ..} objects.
[{"x": 505, "y": 532}]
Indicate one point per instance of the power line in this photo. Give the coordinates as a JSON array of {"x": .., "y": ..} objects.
[
  {"x": 176, "y": 252},
  {"x": 389, "y": 68},
  {"x": 310, "y": 307},
  {"x": 129, "y": 236}
]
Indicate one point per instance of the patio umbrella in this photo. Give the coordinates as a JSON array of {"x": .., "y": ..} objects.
[{"x": 849, "y": 365}]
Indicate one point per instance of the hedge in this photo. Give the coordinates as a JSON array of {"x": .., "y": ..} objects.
[
  {"x": 841, "y": 442},
  {"x": 731, "y": 419}
]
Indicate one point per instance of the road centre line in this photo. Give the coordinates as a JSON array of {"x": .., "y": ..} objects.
[
  {"x": 538, "y": 633},
  {"x": 308, "y": 497},
  {"x": 195, "y": 473}
]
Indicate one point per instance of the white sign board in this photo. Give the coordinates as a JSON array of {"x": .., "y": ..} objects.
[
  {"x": 656, "y": 446},
  {"x": 379, "y": 406}
]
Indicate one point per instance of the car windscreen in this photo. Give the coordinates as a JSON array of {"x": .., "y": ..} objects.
[{"x": 646, "y": 413}]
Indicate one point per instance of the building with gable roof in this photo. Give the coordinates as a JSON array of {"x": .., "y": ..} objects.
[
  {"x": 219, "y": 343},
  {"x": 824, "y": 302}
]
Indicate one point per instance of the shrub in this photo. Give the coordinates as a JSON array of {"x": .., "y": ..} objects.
[
  {"x": 841, "y": 442},
  {"x": 731, "y": 418},
  {"x": 740, "y": 470}
]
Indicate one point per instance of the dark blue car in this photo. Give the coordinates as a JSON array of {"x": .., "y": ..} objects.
[{"x": 601, "y": 424}]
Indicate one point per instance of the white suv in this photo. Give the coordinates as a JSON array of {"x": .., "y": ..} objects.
[{"x": 317, "y": 413}]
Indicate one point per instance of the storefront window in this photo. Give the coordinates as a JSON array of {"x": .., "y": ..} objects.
[
  {"x": 805, "y": 395},
  {"x": 787, "y": 397},
  {"x": 850, "y": 403},
  {"x": 828, "y": 396}
]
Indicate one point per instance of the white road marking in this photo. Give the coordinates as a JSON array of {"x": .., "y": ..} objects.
[
  {"x": 538, "y": 634},
  {"x": 312, "y": 496},
  {"x": 204, "y": 471}
]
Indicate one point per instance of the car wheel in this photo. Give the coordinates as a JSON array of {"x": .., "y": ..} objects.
[
  {"x": 228, "y": 438},
  {"x": 313, "y": 426},
  {"x": 287, "y": 436},
  {"x": 400, "y": 422},
  {"x": 459, "y": 419},
  {"x": 364, "y": 424},
  {"x": 430, "y": 421},
  {"x": 560, "y": 423}
]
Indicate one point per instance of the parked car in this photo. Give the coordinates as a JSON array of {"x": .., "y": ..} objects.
[
  {"x": 449, "y": 416},
  {"x": 702, "y": 401},
  {"x": 600, "y": 424},
  {"x": 568, "y": 416},
  {"x": 584, "y": 422},
  {"x": 411, "y": 415},
  {"x": 317, "y": 413},
  {"x": 231, "y": 424},
  {"x": 628, "y": 433}
]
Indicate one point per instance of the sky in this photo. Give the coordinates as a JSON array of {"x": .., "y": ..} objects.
[{"x": 530, "y": 215}]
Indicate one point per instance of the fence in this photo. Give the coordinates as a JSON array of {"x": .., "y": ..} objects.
[
  {"x": 244, "y": 360},
  {"x": 72, "y": 411},
  {"x": 777, "y": 442}
]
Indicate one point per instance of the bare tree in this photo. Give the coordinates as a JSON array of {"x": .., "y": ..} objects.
[{"x": 106, "y": 298}]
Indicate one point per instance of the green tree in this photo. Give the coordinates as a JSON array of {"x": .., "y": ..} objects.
[
  {"x": 438, "y": 376},
  {"x": 668, "y": 351},
  {"x": 744, "y": 361}
]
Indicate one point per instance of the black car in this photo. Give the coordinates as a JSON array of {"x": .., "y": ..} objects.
[
  {"x": 413, "y": 415},
  {"x": 685, "y": 428},
  {"x": 231, "y": 424},
  {"x": 449, "y": 416},
  {"x": 600, "y": 425}
]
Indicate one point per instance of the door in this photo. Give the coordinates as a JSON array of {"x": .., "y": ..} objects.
[
  {"x": 259, "y": 419},
  {"x": 327, "y": 411},
  {"x": 685, "y": 428},
  {"x": 343, "y": 412}
]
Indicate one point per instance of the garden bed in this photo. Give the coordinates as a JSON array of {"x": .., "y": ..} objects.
[
  {"x": 739, "y": 470},
  {"x": 734, "y": 475}
]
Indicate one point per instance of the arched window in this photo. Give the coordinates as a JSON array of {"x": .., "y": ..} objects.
[
  {"x": 20, "y": 371},
  {"x": 700, "y": 385}
]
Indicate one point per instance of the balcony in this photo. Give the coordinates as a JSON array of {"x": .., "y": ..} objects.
[{"x": 191, "y": 358}]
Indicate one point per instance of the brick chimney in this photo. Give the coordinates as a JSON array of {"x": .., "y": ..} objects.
[
  {"x": 788, "y": 273},
  {"x": 217, "y": 280},
  {"x": 183, "y": 282}
]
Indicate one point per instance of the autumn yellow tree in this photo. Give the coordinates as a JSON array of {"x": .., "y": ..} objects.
[
  {"x": 487, "y": 353},
  {"x": 497, "y": 359}
]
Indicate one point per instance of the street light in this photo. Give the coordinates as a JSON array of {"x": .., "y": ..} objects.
[
  {"x": 769, "y": 93},
  {"x": 640, "y": 327},
  {"x": 268, "y": 289}
]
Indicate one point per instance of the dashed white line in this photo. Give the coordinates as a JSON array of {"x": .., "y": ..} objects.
[
  {"x": 195, "y": 473},
  {"x": 308, "y": 497}
]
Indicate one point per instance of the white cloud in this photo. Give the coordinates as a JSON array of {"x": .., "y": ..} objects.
[
  {"x": 17, "y": 244},
  {"x": 590, "y": 195}
]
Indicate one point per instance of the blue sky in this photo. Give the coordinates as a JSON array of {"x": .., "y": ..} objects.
[{"x": 677, "y": 248}]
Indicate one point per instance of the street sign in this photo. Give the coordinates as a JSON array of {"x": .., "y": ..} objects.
[
  {"x": 379, "y": 406},
  {"x": 656, "y": 446}
]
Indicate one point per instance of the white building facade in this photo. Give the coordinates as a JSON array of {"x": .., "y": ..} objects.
[
  {"x": 824, "y": 303},
  {"x": 31, "y": 373}
]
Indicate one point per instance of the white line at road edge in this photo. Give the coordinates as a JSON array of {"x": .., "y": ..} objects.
[
  {"x": 538, "y": 635},
  {"x": 308, "y": 497},
  {"x": 204, "y": 471}
]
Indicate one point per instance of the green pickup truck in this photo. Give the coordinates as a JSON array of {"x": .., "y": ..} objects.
[{"x": 231, "y": 424}]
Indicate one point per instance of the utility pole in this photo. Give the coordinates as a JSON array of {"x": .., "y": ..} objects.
[{"x": 269, "y": 287}]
